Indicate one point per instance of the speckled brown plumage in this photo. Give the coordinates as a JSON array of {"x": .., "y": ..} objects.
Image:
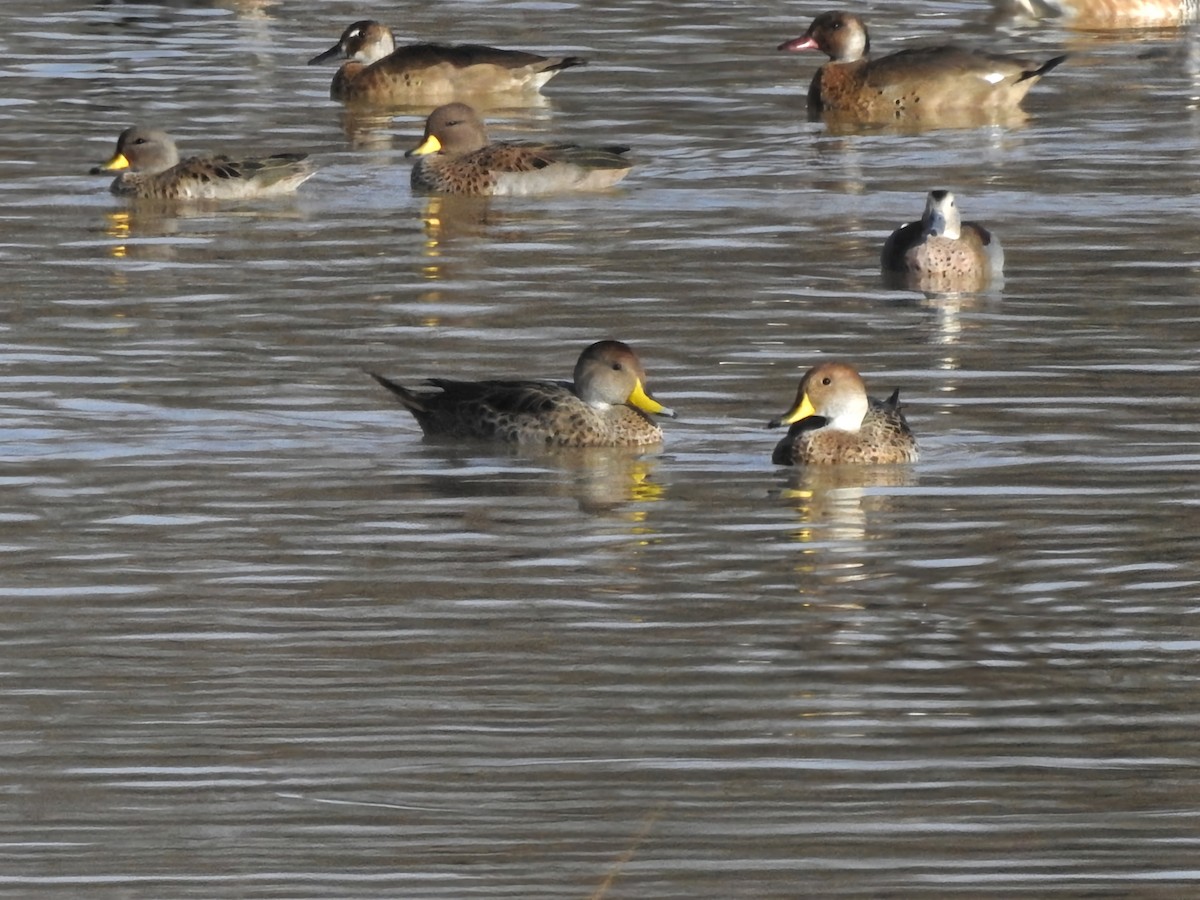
[
  {"x": 380, "y": 73},
  {"x": 454, "y": 157},
  {"x": 921, "y": 82},
  {"x": 941, "y": 253},
  {"x": 152, "y": 170},
  {"x": 605, "y": 406},
  {"x": 834, "y": 422}
]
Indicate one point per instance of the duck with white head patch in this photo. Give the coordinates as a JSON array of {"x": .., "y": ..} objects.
[
  {"x": 379, "y": 73},
  {"x": 941, "y": 253},
  {"x": 833, "y": 421},
  {"x": 921, "y": 82}
]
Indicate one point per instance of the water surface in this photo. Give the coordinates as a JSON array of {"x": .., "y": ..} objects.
[{"x": 262, "y": 641}]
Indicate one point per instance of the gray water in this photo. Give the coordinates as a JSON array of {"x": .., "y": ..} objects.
[{"x": 262, "y": 641}]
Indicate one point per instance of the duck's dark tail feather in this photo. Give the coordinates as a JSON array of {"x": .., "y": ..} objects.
[
  {"x": 1043, "y": 68},
  {"x": 568, "y": 62},
  {"x": 407, "y": 397}
]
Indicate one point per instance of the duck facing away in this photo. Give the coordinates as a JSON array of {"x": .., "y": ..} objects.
[
  {"x": 833, "y": 421},
  {"x": 377, "y": 72},
  {"x": 605, "y": 405},
  {"x": 912, "y": 83},
  {"x": 150, "y": 169},
  {"x": 455, "y": 157},
  {"x": 941, "y": 252}
]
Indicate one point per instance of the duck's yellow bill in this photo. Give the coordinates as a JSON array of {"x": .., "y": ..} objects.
[
  {"x": 801, "y": 411},
  {"x": 117, "y": 162},
  {"x": 430, "y": 145},
  {"x": 641, "y": 400}
]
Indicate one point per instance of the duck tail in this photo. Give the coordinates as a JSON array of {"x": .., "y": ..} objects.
[
  {"x": 567, "y": 62},
  {"x": 1043, "y": 68},
  {"x": 407, "y": 397}
]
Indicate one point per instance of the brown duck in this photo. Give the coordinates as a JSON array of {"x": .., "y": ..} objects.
[
  {"x": 605, "y": 405},
  {"x": 454, "y": 157},
  {"x": 379, "y": 73},
  {"x": 833, "y": 421},
  {"x": 941, "y": 252},
  {"x": 150, "y": 169},
  {"x": 912, "y": 83}
]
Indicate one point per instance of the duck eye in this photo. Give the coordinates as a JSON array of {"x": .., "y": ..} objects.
[
  {"x": 616, "y": 367},
  {"x": 826, "y": 380}
]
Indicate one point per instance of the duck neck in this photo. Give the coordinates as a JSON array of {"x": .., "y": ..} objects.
[
  {"x": 941, "y": 217},
  {"x": 847, "y": 416}
]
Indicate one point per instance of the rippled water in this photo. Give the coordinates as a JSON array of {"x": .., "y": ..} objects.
[{"x": 261, "y": 641}]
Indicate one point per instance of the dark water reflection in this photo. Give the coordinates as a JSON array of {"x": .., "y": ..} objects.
[{"x": 262, "y": 641}]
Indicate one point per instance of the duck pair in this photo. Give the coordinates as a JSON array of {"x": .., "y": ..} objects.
[
  {"x": 453, "y": 157},
  {"x": 922, "y": 81},
  {"x": 606, "y": 404}
]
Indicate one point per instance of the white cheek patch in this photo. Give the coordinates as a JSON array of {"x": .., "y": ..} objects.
[{"x": 993, "y": 77}]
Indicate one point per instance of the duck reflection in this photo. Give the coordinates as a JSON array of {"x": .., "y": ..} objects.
[
  {"x": 835, "y": 503},
  {"x": 610, "y": 481},
  {"x": 372, "y": 126},
  {"x": 915, "y": 123},
  {"x": 128, "y": 229},
  {"x": 446, "y": 217},
  {"x": 162, "y": 229},
  {"x": 944, "y": 324},
  {"x": 367, "y": 128},
  {"x": 605, "y": 482}
]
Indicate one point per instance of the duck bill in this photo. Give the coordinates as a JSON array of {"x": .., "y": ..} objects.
[
  {"x": 115, "y": 164},
  {"x": 430, "y": 145},
  {"x": 803, "y": 42},
  {"x": 935, "y": 225},
  {"x": 801, "y": 410},
  {"x": 639, "y": 399},
  {"x": 331, "y": 53}
]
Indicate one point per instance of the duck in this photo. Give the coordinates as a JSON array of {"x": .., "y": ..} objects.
[
  {"x": 604, "y": 405},
  {"x": 833, "y": 421},
  {"x": 378, "y": 73},
  {"x": 150, "y": 169},
  {"x": 941, "y": 252},
  {"x": 455, "y": 157},
  {"x": 924, "y": 81},
  {"x": 1107, "y": 15}
]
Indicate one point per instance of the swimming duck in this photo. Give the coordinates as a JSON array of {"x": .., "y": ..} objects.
[
  {"x": 921, "y": 81},
  {"x": 379, "y": 73},
  {"x": 941, "y": 252},
  {"x": 1107, "y": 15},
  {"x": 456, "y": 158},
  {"x": 833, "y": 421},
  {"x": 151, "y": 170},
  {"x": 606, "y": 405}
]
